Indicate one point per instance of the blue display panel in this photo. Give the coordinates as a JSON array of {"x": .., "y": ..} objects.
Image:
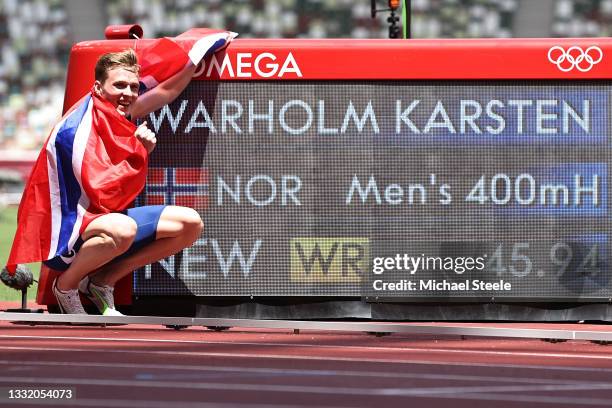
[{"x": 310, "y": 188}]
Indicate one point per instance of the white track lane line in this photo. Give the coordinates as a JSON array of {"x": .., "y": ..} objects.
[
  {"x": 280, "y": 357},
  {"x": 123, "y": 403},
  {"x": 357, "y": 348},
  {"x": 116, "y": 403},
  {"x": 428, "y": 392},
  {"x": 296, "y": 372}
]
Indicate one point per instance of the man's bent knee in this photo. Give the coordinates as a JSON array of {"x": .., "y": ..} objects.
[
  {"x": 178, "y": 221},
  {"x": 193, "y": 223},
  {"x": 116, "y": 230},
  {"x": 124, "y": 234}
]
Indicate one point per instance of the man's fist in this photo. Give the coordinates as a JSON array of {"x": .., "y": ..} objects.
[{"x": 146, "y": 136}]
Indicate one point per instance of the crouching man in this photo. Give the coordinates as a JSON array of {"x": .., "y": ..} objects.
[{"x": 74, "y": 214}]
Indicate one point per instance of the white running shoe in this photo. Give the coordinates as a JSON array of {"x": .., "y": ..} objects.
[
  {"x": 101, "y": 296},
  {"x": 69, "y": 301}
]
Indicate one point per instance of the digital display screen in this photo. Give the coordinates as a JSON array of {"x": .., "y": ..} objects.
[{"x": 387, "y": 190}]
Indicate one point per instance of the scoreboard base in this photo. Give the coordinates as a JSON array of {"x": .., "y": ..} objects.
[
  {"x": 326, "y": 308},
  {"x": 485, "y": 330}
]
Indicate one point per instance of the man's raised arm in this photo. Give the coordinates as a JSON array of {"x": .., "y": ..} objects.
[
  {"x": 164, "y": 93},
  {"x": 167, "y": 90}
]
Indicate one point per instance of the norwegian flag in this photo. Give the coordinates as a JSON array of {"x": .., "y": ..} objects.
[
  {"x": 92, "y": 164},
  {"x": 167, "y": 56},
  {"x": 185, "y": 186}
]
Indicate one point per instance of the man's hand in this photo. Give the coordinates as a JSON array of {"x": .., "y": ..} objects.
[
  {"x": 146, "y": 137},
  {"x": 210, "y": 43}
]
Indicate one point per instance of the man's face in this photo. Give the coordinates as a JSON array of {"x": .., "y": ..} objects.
[{"x": 120, "y": 88}]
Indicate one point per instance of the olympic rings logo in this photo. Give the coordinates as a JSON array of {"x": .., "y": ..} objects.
[{"x": 575, "y": 57}]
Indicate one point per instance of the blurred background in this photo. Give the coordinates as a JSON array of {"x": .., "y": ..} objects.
[{"x": 36, "y": 37}]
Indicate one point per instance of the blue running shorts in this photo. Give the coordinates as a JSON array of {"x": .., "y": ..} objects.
[{"x": 146, "y": 218}]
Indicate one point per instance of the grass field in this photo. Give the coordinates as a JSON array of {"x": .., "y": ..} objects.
[{"x": 8, "y": 224}]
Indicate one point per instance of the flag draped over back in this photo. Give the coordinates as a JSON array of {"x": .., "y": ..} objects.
[{"x": 92, "y": 164}]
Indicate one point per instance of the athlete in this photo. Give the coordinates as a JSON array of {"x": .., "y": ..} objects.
[
  {"x": 115, "y": 244},
  {"x": 74, "y": 214}
]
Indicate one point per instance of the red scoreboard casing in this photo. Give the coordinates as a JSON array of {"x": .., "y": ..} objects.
[{"x": 347, "y": 59}]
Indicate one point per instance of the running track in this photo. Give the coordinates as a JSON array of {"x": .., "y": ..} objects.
[{"x": 151, "y": 366}]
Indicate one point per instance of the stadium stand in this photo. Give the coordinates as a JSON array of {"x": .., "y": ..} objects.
[
  {"x": 34, "y": 46},
  {"x": 36, "y": 36},
  {"x": 251, "y": 18},
  {"x": 316, "y": 18},
  {"x": 582, "y": 18},
  {"x": 463, "y": 18}
]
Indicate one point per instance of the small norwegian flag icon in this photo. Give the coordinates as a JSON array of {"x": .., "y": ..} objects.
[{"x": 185, "y": 186}]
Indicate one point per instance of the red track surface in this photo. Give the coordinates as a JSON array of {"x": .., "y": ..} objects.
[{"x": 151, "y": 366}]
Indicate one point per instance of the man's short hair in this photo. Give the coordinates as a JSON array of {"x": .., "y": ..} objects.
[{"x": 123, "y": 59}]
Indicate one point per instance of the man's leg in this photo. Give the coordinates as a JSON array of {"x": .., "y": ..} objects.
[
  {"x": 178, "y": 228},
  {"x": 105, "y": 238}
]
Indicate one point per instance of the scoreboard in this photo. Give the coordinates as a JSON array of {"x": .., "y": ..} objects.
[
  {"x": 418, "y": 170},
  {"x": 387, "y": 188}
]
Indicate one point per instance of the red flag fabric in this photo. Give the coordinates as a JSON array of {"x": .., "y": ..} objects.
[{"x": 91, "y": 163}]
